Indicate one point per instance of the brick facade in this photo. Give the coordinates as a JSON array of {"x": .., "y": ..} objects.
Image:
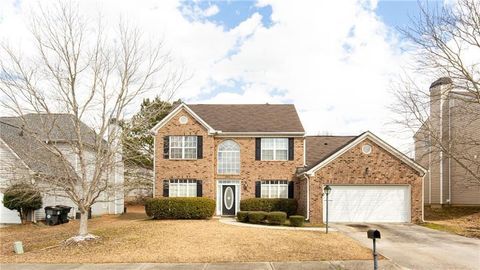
[
  {"x": 350, "y": 169},
  {"x": 205, "y": 169}
]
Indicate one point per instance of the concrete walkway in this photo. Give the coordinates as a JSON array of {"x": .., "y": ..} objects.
[
  {"x": 232, "y": 221},
  {"x": 321, "y": 265},
  {"x": 416, "y": 247}
]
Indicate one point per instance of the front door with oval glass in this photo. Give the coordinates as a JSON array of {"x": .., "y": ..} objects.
[{"x": 228, "y": 200}]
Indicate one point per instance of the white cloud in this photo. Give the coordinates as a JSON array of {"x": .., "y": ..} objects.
[{"x": 334, "y": 59}]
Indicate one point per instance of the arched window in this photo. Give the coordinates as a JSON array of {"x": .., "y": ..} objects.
[{"x": 228, "y": 158}]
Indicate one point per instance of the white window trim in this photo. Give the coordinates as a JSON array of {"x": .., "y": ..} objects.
[
  {"x": 274, "y": 150},
  {"x": 281, "y": 183},
  {"x": 188, "y": 182},
  {"x": 183, "y": 147},
  {"x": 228, "y": 151}
]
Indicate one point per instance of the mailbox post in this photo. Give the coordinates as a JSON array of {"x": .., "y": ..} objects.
[{"x": 374, "y": 234}]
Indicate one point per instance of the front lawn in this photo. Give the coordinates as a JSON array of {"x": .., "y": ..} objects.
[
  {"x": 459, "y": 220},
  {"x": 133, "y": 238}
]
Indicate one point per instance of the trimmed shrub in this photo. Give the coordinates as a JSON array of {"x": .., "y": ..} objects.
[
  {"x": 276, "y": 218},
  {"x": 180, "y": 208},
  {"x": 242, "y": 216},
  {"x": 297, "y": 221},
  {"x": 256, "y": 217},
  {"x": 288, "y": 206},
  {"x": 22, "y": 197}
]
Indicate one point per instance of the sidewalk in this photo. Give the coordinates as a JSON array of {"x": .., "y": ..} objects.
[{"x": 320, "y": 265}]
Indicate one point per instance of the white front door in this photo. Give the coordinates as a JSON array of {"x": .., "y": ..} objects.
[{"x": 365, "y": 203}]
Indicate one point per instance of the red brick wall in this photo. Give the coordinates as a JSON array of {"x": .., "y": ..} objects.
[
  {"x": 349, "y": 168},
  {"x": 205, "y": 169}
]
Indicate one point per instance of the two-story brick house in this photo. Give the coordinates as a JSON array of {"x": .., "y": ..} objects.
[{"x": 232, "y": 152}]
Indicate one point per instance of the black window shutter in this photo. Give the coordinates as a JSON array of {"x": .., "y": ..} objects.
[
  {"x": 290, "y": 190},
  {"x": 258, "y": 187},
  {"x": 291, "y": 148},
  {"x": 166, "y": 147},
  {"x": 199, "y": 188},
  {"x": 199, "y": 147},
  {"x": 165, "y": 188},
  {"x": 258, "y": 148}
]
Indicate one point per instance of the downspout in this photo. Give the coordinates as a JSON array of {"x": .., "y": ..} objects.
[
  {"x": 154, "y": 164},
  {"x": 450, "y": 101},
  {"x": 308, "y": 196},
  {"x": 441, "y": 151}
]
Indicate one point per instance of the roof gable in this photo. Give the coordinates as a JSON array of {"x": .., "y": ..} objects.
[
  {"x": 326, "y": 160},
  {"x": 175, "y": 111}
]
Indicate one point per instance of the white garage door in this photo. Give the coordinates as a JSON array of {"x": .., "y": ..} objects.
[
  {"x": 382, "y": 203},
  {"x": 8, "y": 216}
]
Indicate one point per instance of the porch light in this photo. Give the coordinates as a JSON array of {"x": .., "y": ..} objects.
[{"x": 327, "y": 189}]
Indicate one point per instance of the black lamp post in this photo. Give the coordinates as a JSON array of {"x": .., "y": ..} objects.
[{"x": 326, "y": 190}]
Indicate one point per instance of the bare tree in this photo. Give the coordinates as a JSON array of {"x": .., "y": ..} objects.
[
  {"x": 447, "y": 42},
  {"x": 92, "y": 72}
]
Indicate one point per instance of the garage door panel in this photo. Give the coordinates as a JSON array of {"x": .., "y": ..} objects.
[{"x": 369, "y": 204}]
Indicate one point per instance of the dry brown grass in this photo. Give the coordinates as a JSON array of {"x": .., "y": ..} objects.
[
  {"x": 133, "y": 238},
  {"x": 459, "y": 220}
]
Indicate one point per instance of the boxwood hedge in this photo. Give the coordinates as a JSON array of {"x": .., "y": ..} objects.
[
  {"x": 180, "y": 208},
  {"x": 297, "y": 221},
  {"x": 276, "y": 218},
  {"x": 288, "y": 206}
]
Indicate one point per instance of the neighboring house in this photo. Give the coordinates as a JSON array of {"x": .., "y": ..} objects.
[
  {"x": 232, "y": 152},
  {"x": 453, "y": 123},
  {"x": 24, "y": 157}
]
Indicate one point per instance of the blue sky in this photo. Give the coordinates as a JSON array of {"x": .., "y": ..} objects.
[{"x": 394, "y": 13}]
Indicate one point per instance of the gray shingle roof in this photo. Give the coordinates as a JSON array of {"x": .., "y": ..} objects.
[
  {"x": 250, "y": 117},
  {"x": 28, "y": 140},
  {"x": 321, "y": 147}
]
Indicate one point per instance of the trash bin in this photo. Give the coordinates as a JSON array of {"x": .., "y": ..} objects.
[
  {"x": 64, "y": 210},
  {"x": 52, "y": 215}
]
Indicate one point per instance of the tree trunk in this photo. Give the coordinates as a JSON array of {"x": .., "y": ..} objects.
[{"x": 83, "y": 223}]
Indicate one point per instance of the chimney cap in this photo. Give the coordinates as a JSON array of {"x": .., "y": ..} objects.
[{"x": 441, "y": 81}]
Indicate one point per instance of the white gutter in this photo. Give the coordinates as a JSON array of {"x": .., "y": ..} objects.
[
  {"x": 441, "y": 151},
  {"x": 308, "y": 196},
  {"x": 154, "y": 163}
]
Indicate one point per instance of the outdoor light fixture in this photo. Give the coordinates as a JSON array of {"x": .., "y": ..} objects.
[
  {"x": 326, "y": 190},
  {"x": 374, "y": 234}
]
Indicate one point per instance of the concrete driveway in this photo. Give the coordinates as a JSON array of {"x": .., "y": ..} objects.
[{"x": 415, "y": 247}]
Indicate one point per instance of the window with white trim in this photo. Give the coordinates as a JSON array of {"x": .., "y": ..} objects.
[
  {"x": 182, "y": 188},
  {"x": 183, "y": 147},
  {"x": 228, "y": 158},
  {"x": 274, "y": 148},
  {"x": 274, "y": 189}
]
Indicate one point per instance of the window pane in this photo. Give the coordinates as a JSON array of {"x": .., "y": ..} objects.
[
  {"x": 281, "y": 155},
  {"x": 173, "y": 189},
  {"x": 190, "y": 153},
  {"x": 190, "y": 141},
  {"x": 264, "y": 191},
  {"x": 281, "y": 143},
  {"x": 176, "y": 153},
  {"x": 267, "y": 154},
  {"x": 283, "y": 191},
  {"x": 228, "y": 158},
  {"x": 175, "y": 141},
  {"x": 267, "y": 143},
  {"x": 192, "y": 189}
]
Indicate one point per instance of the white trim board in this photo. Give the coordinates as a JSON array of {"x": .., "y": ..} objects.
[{"x": 376, "y": 140}]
